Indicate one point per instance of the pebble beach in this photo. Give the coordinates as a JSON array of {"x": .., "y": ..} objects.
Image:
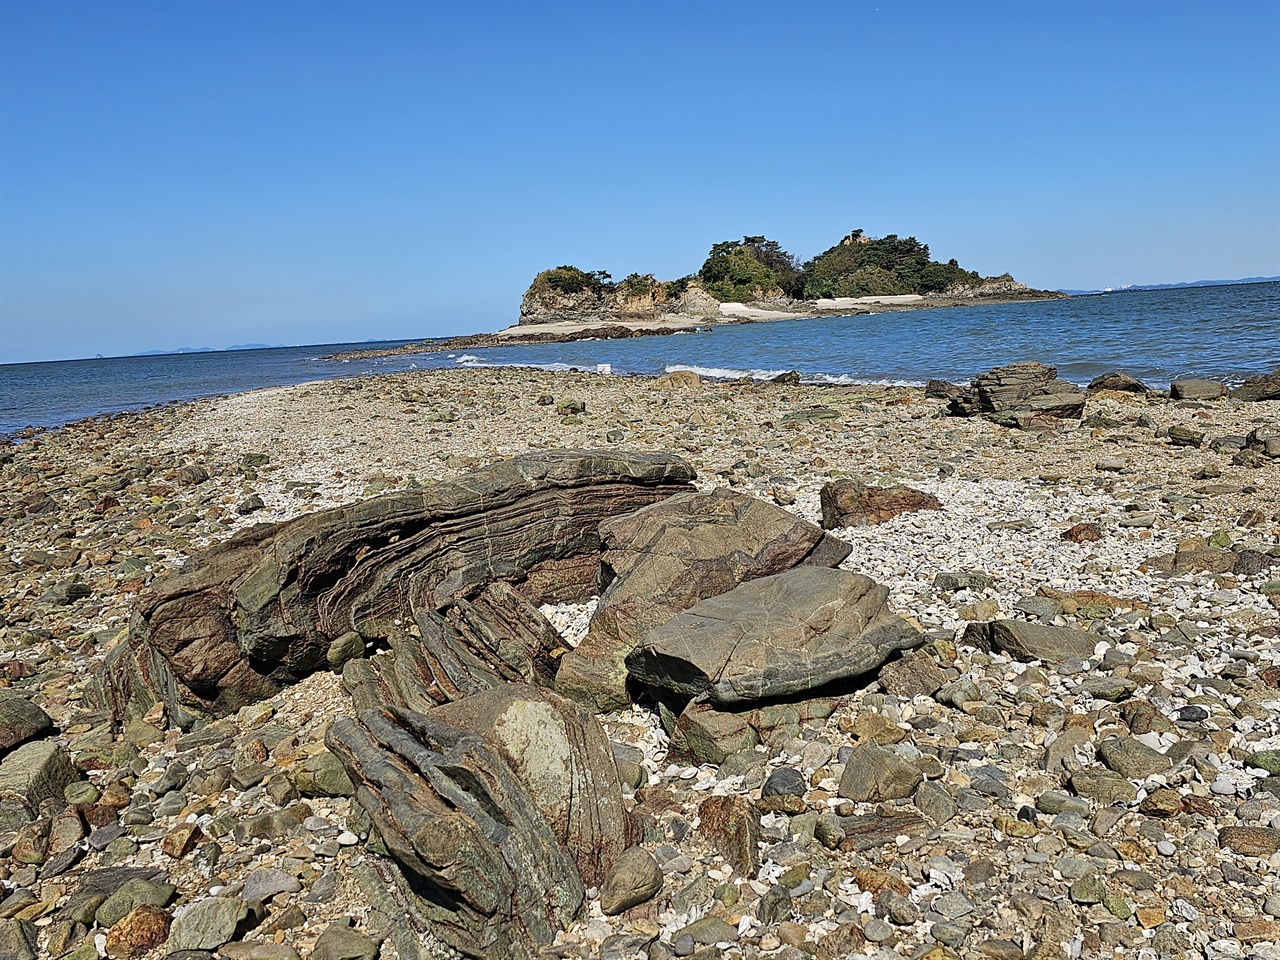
[{"x": 1172, "y": 857}]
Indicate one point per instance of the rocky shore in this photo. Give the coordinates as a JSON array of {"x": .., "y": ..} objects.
[
  {"x": 328, "y": 671},
  {"x": 567, "y": 322}
]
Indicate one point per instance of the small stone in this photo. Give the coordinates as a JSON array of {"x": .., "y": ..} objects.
[
  {"x": 953, "y": 904},
  {"x": 634, "y": 878},
  {"x": 732, "y": 825},
  {"x": 207, "y": 924},
  {"x": 1083, "y": 533},
  {"x": 266, "y": 882},
  {"x": 709, "y": 930},
  {"x": 340, "y": 942},
  {"x": 784, "y": 781},
  {"x": 144, "y": 928},
  {"x": 1250, "y": 841},
  {"x": 873, "y": 774},
  {"x": 877, "y": 931},
  {"x": 1088, "y": 890}
]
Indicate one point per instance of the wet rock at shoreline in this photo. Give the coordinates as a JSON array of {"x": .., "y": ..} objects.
[{"x": 1026, "y": 395}]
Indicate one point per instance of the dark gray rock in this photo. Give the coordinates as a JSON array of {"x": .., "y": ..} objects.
[
  {"x": 20, "y": 721},
  {"x": 780, "y": 636},
  {"x": 785, "y": 782},
  {"x": 1117, "y": 381},
  {"x": 262, "y": 609},
  {"x": 1029, "y": 641},
  {"x": 662, "y": 559},
  {"x": 1265, "y": 386}
]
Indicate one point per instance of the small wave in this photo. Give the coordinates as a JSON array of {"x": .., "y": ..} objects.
[
  {"x": 724, "y": 373},
  {"x": 475, "y": 363},
  {"x": 845, "y": 379}
]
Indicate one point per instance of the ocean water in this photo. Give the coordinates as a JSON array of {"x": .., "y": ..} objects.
[{"x": 1224, "y": 333}]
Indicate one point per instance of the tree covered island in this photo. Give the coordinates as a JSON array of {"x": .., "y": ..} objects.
[{"x": 754, "y": 278}]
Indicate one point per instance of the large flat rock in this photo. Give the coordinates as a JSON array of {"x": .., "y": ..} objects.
[
  {"x": 1030, "y": 641},
  {"x": 261, "y": 610},
  {"x": 780, "y": 636},
  {"x": 663, "y": 559}
]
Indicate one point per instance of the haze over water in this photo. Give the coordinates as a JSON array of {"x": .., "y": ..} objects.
[{"x": 1224, "y": 333}]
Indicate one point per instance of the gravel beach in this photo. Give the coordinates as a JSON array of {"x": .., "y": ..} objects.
[{"x": 1123, "y": 803}]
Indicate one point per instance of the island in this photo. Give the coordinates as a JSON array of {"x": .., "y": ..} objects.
[{"x": 741, "y": 281}]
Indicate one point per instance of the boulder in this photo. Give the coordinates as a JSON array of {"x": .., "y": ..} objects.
[
  {"x": 33, "y": 773},
  {"x": 849, "y": 503},
  {"x": 1117, "y": 381},
  {"x": 1030, "y": 641},
  {"x": 495, "y": 834},
  {"x": 1197, "y": 390},
  {"x": 1265, "y": 386},
  {"x": 20, "y": 721},
  {"x": 780, "y": 636},
  {"x": 262, "y": 609},
  {"x": 1027, "y": 395},
  {"x": 662, "y": 559}
]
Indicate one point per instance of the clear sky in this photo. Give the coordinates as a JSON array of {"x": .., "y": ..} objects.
[{"x": 203, "y": 174}]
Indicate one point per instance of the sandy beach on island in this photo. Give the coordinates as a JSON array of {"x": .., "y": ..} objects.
[{"x": 1174, "y": 849}]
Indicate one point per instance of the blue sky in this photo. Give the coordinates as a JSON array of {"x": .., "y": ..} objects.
[{"x": 202, "y": 174}]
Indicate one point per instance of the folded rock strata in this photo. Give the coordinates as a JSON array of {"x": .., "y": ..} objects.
[
  {"x": 495, "y": 808},
  {"x": 780, "y": 636},
  {"x": 1027, "y": 395},
  {"x": 664, "y": 558},
  {"x": 499, "y": 637},
  {"x": 261, "y": 610}
]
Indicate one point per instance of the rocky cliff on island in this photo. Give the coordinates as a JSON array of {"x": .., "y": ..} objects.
[{"x": 755, "y": 279}]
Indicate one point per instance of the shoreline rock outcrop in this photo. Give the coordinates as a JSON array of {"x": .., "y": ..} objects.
[
  {"x": 262, "y": 610},
  {"x": 1026, "y": 395}
]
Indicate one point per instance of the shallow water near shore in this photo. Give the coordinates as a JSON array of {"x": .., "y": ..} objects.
[{"x": 1225, "y": 333}]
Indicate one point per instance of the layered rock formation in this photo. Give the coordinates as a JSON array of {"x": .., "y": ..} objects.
[
  {"x": 262, "y": 609},
  {"x": 499, "y": 807},
  {"x": 1027, "y": 395}
]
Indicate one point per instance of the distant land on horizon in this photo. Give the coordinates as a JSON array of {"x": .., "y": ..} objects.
[{"x": 1172, "y": 286}]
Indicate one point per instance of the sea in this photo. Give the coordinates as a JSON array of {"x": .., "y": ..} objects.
[{"x": 1222, "y": 333}]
